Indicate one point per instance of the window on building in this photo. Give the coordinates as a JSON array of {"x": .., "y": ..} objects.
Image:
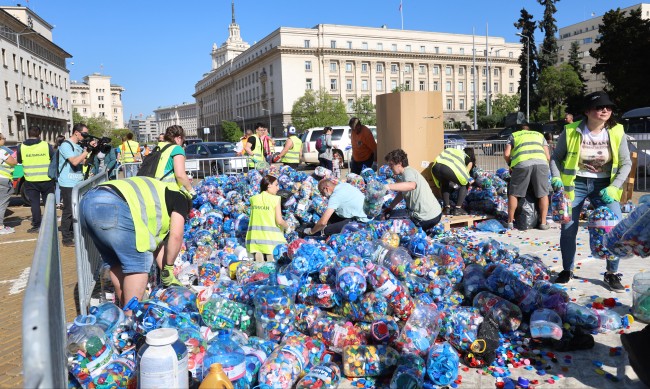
[
  {"x": 422, "y": 49},
  {"x": 333, "y": 44},
  {"x": 449, "y": 50},
  {"x": 100, "y": 98},
  {"x": 408, "y": 48},
  {"x": 380, "y": 85},
  {"x": 423, "y": 69},
  {"x": 485, "y": 71},
  {"x": 461, "y": 86},
  {"x": 461, "y": 104},
  {"x": 349, "y": 44},
  {"x": 436, "y": 86},
  {"x": 510, "y": 54},
  {"x": 449, "y": 70},
  {"x": 4, "y": 58},
  {"x": 393, "y": 84},
  {"x": 7, "y": 90},
  {"x": 447, "y": 86},
  {"x": 462, "y": 50},
  {"x": 496, "y": 71},
  {"x": 364, "y": 85},
  {"x": 450, "y": 104},
  {"x": 84, "y": 110},
  {"x": 407, "y": 69},
  {"x": 511, "y": 87},
  {"x": 29, "y": 69},
  {"x": 348, "y": 84},
  {"x": 393, "y": 47},
  {"x": 364, "y": 67},
  {"x": 348, "y": 66},
  {"x": 393, "y": 68},
  {"x": 422, "y": 85},
  {"x": 461, "y": 70},
  {"x": 350, "y": 104},
  {"x": 15, "y": 63},
  {"x": 332, "y": 66},
  {"x": 511, "y": 73},
  {"x": 333, "y": 84},
  {"x": 484, "y": 88},
  {"x": 495, "y": 88},
  {"x": 307, "y": 43},
  {"x": 436, "y": 70},
  {"x": 587, "y": 40},
  {"x": 308, "y": 66},
  {"x": 407, "y": 85},
  {"x": 380, "y": 68},
  {"x": 270, "y": 70},
  {"x": 436, "y": 50},
  {"x": 471, "y": 86},
  {"x": 364, "y": 45},
  {"x": 380, "y": 46},
  {"x": 308, "y": 84}
]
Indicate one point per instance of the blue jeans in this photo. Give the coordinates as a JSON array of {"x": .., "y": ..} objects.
[
  {"x": 131, "y": 170},
  {"x": 585, "y": 188},
  {"x": 107, "y": 219}
]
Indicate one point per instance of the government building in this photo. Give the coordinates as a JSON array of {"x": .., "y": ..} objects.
[
  {"x": 34, "y": 80},
  {"x": 96, "y": 96},
  {"x": 183, "y": 115},
  {"x": 260, "y": 83}
]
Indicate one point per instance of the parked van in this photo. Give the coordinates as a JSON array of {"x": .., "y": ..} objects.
[{"x": 340, "y": 141}]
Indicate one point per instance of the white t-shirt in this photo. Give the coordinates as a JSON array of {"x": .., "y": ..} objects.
[
  {"x": 595, "y": 153},
  {"x": 4, "y": 154}
]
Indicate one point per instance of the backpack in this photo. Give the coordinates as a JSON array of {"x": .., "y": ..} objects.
[
  {"x": 150, "y": 163},
  {"x": 321, "y": 144},
  {"x": 53, "y": 171}
]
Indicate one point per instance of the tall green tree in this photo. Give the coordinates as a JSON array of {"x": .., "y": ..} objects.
[
  {"x": 574, "y": 103},
  {"x": 318, "y": 109},
  {"x": 556, "y": 83},
  {"x": 364, "y": 109},
  {"x": 231, "y": 131},
  {"x": 117, "y": 136},
  {"x": 623, "y": 58},
  {"x": 527, "y": 27},
  {"x": 97, "y": 125},
  {"x": 548, "y": 54},
  {"x": 502, "y": 105}
]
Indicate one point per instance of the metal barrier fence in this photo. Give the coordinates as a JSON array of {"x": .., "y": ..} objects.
[
  {"x": 204, "y": 167},
  {"x": 130, "y": 168},
  {"x": 89, "y": 261},
  {"x": 489, "y": 153},
  {"x": 642, "y": 149},
  {"x": 43, "y": 327}
]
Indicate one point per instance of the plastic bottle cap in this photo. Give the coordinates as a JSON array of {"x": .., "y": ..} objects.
[{"x": 162, "y": 336}]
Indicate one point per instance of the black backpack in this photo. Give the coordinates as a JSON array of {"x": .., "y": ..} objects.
[
  {"x": 321, "y": 144},
  {"x": 150, "y": 163}
]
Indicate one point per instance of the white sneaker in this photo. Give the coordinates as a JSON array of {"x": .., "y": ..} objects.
[{"x": 4, "y": 230}]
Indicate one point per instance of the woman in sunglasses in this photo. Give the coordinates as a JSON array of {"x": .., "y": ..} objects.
[{"x": 591, "y": 160}]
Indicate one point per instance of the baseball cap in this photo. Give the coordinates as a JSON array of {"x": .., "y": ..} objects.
[{"x": 597, "y": 99}]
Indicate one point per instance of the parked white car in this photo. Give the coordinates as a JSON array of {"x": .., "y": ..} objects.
[{"x": 340, "y": 141}]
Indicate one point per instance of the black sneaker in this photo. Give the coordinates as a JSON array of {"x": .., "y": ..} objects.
[
  {"x": 34, "y": 230},
  {"x": 564, "y": 277},
  {"x": 446, "y": 211},
  {"x": 613, "y": 282},
  {"x": 634, "y": 343},
  {"x": 459, "y": 211}
]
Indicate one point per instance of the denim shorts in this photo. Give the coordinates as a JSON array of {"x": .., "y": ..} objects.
[{"x": 106, "y": 218}]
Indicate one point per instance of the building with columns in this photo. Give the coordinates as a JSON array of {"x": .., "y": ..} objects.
[
  {"x": 181, "y": 114},
  {"x": 586, "y": 33},
  {"x": 34, "y": 80},
  {"x": 96, "y": 96},
  {"x": 250, "y": 83}
]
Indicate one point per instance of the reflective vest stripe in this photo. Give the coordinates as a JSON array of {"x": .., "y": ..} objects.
[
  {"x": 258, "y": 154},
  {"x": 164, "y": 158},
  {"x": 36, "y": 161},
  {"x": 293, "y": 155},
  {"x": 265, "y": 228},
  {"x": 273, "y": 243},
  {"x": 528, "y": 145},
  {"x": 455, "y": 160},
  {"x": 146, "y": 199},
  {"x": 6, "y": 171},
  {"x": 569, "y": 168}
]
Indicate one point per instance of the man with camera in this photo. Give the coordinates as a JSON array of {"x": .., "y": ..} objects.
[
  {"x": 72, "y": 157},
  {"x": 35, "y": 155}
]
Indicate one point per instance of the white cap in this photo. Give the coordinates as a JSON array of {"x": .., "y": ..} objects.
[{"x": 162, "y": 336}]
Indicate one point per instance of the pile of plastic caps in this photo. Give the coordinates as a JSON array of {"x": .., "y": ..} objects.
[
  {"x": 382, "y": 304},
  {"x": 488, "y": 194}
]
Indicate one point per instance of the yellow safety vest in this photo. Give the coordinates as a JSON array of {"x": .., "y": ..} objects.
[
  {"x": 258, "y": 154},
  {"x": 293, "y": 155},
  {"x": 146, "y": 199},
  {"x": 160, "y": 145},
  {"x": 528, "y": 145},
  {"x": 129, "y": 150},
  {"x": 263, "y": 234},
  {"x": 36, "y": 161},
  {"x": 6, "y": 170},
  {"x": 455, "y": 160},
  {"x": 164, "y": 158},
  {"x": 569, "y": 168}
]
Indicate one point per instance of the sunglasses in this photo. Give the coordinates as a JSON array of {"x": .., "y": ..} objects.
[{"x": 603, "y": 108}]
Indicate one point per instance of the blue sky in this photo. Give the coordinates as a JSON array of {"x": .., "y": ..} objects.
[{"x": 158, "y": 50}]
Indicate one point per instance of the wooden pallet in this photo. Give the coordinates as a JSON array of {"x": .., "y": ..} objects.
[{"x": 450, "y": 222}]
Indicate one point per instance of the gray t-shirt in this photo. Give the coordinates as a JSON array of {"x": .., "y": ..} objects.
[
  {"x": 328, "y": 153},
  {"x": 528, "y": 162},
  {"x": 420, "y": 202}
]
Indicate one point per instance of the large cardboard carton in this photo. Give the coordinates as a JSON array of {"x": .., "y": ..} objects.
[{"x": 413, "y": 122}]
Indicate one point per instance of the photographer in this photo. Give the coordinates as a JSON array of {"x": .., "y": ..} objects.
[{"x": 71, "y": 161}]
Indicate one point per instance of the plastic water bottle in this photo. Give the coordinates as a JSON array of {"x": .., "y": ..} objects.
[
  {"x": 162, "y": 361},
  {"x": 506, "y": 314},
  {"x": 545, "y": 323},
  {"x": 351, "y": 281},
  {"x": 396, "y": 259},
  {"x": 442, "y": 364},
  {"x": 387, "y": 285},
  {"x": 222, "y": 349},
  {"x": 473, "y": 280},
  {"x": 88, "y": 349},
  {"x": 326, "y": 375},
  {"x": 107, "y": 290},
  {"x": 368, "y": 361},
  {"x": 108, "y": 316},
  {"x": 579, "y": 315},
  {"x": 609, "y": 320},
  {"x": 409, "y": 373},
  {"x": 419, "y": 332}
]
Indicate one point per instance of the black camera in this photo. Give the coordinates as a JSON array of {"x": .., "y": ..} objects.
[{"x": 103, "y": 144}]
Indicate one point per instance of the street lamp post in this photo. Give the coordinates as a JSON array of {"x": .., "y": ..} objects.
[
  {"x": 26, "y": 31},
  {"x": 243, "y": 123},
  {"x": 269, "y": 111},
  {"x": 527, "y": 76},
  {"x": 488, "y": 87}
]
